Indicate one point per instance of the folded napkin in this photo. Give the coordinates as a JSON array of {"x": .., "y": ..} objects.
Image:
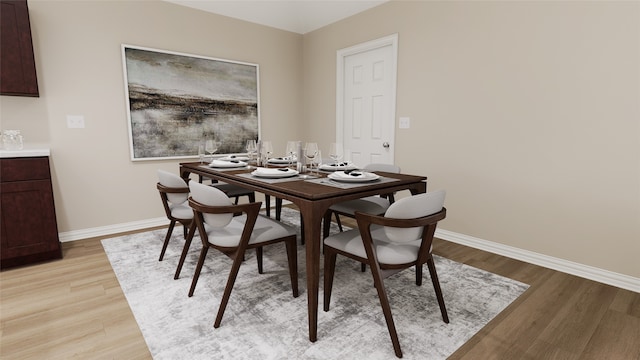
[
  {"x": 338, "y": 166},
  {"x": 227, "y": 163},
  {"x": 350, "y": 174},
  {"x": 274, "y": 171},
  {"x": 284, "y": 158}
]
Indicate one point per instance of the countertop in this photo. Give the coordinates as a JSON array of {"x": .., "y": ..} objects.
[{"x": 29, "y": 150}]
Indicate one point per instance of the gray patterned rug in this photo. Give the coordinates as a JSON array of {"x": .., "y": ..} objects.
[{"x": 263, "y": 320}]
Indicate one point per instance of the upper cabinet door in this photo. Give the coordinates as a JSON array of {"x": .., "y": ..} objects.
[{"x": 17, "y": 64}]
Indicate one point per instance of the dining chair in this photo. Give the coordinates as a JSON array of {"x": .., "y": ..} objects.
[
  {"x": 400, "y": 239},
  {"x": 375, "y": 205},
  {"x": 174, "y": 193},
  {"x": 233, "y": 235}
]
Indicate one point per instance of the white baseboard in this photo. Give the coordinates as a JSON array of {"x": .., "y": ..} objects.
[
  {"x": 569, "y": 267},
  {"x": 112, "y": 229},
  {"x": 566, "y": 266},
  {"x": 119, "y": 228}
]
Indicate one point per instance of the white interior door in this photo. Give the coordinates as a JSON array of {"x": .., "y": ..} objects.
[{"x": 366, "y": 101}]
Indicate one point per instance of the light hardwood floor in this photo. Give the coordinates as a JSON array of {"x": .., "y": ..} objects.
[{"x": 74, "y": 308}]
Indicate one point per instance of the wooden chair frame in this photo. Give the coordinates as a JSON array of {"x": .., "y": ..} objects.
[
  {"x": 186, "y": 223},
  {"x": 237, "y": 253},
  {"x": 429, "y": 224}
]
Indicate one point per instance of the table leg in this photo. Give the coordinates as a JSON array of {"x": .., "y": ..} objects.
[
  {"x": 312, "y": 218},
  {"x": 420, "y": 188}
]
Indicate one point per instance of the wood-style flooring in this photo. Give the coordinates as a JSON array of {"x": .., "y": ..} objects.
[{"x": 74, "y": 308}]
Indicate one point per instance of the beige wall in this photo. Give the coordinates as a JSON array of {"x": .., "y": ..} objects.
[
  {"x": 79, "y": 63},
  {"x": 527, "y": 113}
]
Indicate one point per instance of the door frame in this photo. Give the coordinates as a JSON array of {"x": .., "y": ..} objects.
[{"x": 389, "y": 40}]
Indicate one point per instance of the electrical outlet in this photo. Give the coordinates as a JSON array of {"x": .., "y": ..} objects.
[
  {"x": 404, "y": 123},
  {"x": 75, "y": 121}
]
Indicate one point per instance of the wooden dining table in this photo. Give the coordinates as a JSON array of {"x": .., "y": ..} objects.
[{"x": 313, "y": 194}]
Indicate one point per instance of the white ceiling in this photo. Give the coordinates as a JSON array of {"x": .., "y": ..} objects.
[{"x": 299, "y": 16}]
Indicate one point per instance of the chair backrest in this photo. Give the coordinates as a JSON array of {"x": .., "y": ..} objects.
[
  {"x": 412, "y": 207},
  {"x": 171, "y": 180},
  {"x": 390, "y": 168},
  {"x": 210, "y": 196}
]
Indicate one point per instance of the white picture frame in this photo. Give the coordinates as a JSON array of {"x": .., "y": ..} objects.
[{"x": 175, "y": 101}]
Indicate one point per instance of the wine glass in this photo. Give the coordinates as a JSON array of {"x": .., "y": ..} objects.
[
  {"x": 251, "y": 148},
  {"x": 292, "y": 148},
  {"x": 318, "y": 161},
  {"x": 201, "y": 153},
  {"x": 211, "y": 147},
  {"x": 336, "y": 153},
  {"x": 267, "y": 150},
  {"x": 310, "y": 153}
]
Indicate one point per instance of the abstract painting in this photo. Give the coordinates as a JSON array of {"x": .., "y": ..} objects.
[{"x": 176, "y": 101}]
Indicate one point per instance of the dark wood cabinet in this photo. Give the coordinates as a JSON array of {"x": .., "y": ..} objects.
[
  {"x": 27, "y": 215},
  {"x": 17, "y": 63}
]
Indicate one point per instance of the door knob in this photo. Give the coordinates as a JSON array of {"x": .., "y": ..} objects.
[{"x": 385, "y": 145}]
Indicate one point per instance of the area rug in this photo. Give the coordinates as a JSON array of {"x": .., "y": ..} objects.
[{"x": 264, "y": 321}]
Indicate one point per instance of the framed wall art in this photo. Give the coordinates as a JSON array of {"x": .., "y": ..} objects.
[{"x": 176, "y": 101}]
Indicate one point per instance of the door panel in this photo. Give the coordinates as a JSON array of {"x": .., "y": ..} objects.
[{"x": 367, "y": 118}]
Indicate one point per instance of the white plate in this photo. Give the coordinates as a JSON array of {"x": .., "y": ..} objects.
[
  {"x": 234, "y": 157},
  {"x": 364, "y": 177},
  {"x": 332, "y": 167},
  {"x": 282, "y": 160},
  {"x": 227, "y": 164},
  {"x": 274, "y": 173}
]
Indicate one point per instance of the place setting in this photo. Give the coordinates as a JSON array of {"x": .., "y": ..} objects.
[
  {"x": 336, "y": 154},
  {"x": 283, "y": 167},
  {"x": 353, "y": 176},
  {"x": 290, "y": 157},
  {"x": 285, "y": 160},
  {"x": 338, "y": 173},
  {"x": 350, "y": 179},
  {"x": 341, "y": 166},
  {"x": 274, "y": 173},
  {"x": 228, "y": 163}
]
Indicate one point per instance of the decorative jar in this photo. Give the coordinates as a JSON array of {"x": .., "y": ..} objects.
[{"x": 12, "y": 140}]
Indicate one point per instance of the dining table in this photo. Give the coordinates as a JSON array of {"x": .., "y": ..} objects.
[{"x": 313, "y": 193}]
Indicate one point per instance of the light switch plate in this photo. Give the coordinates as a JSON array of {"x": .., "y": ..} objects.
[
  {"x": 404, "y": 123},
  {"x": 75, "y": 121}
]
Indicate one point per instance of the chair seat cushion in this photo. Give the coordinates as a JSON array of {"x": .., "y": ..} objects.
[
  {"x": 388, "y": 252},
  {"x": 374, "y": 205},
  {"x": 181, "y": 211},
  {"x": 265, "y": 229}
]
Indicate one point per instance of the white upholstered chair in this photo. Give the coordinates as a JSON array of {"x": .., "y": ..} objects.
[
  {"x": 400, "y": 239},
  {"x": 375, "y": 205},
  {"x": 233, "y": 235},
  {"x": 174, "y": 193}
]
